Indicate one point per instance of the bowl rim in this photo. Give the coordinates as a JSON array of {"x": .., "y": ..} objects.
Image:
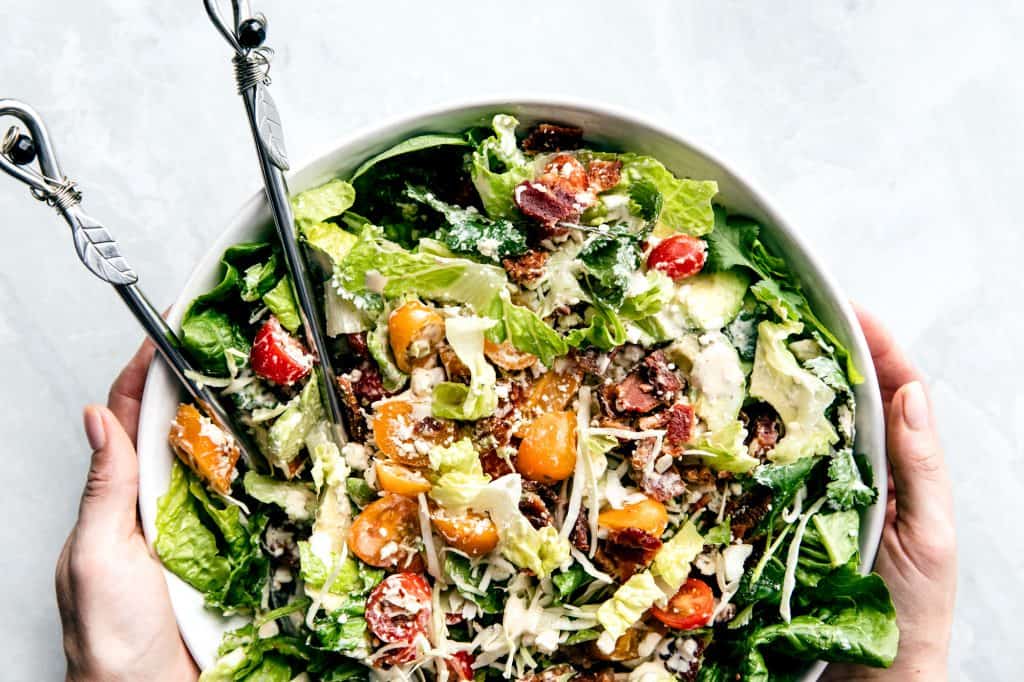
[{"x": 869, "y": 401}]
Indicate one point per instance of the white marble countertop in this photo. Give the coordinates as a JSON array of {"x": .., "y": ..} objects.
[{"x": 888, "y": 133}]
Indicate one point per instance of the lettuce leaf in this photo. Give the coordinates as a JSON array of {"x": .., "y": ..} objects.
[
  {"x": 451, "y": 280},
  {"x": 846, "y": 488},
  {"x": 525, "y": 330},
  {"x": 411, "y": 145},
  {"x": 497, "y": 166},
  {"x": 393, "y": 378},
  {"x": 735, "y": 242},
  {"x": 281, "y": 302},
  {"x": 854, "y": 622},
  {"x": 628, "y": 604},
  {"x": 207, "y": 544},
  {"x": 288, "y": 432},
  {"x": 184, "y": 544},
  {"x": 327, "y": 201},
  {"x": 648, "y": 193},
  {"x": 798, "y": 396},
  {"x": 459, "y": 477},
  {"x": 467, "y": 231},
  {"x": 453, "y": 400},
  {"x": 723, "y": 449},
  {"x": 610, "y": 261},
  {"x": 207, "y": 336},
  {"x": 466, "y": 577},
  {"x": 297, "y": 500},
  {"x": 672, "y": 562}
]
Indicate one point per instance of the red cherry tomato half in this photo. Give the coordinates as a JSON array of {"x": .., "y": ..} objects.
[
  {"x": 397, "y": 611},
  {"x": 460, "y": 664},
  {"x": 278, "y": 356},
  {"x": 679, "y": 256},
  {"x": 690, "y": 608}
]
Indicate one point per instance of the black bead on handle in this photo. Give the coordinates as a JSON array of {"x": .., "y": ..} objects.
[
  {"x": 20, "y": 148},
  {"x": 252, "y": 33}
]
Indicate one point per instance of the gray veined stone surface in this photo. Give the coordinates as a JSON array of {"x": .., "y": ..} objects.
[{"x": 888, "y": 133}]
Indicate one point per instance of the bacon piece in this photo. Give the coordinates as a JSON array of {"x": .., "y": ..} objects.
[
  {"x": 355, "y": 420},
  {"x": 764, "y": 428},
  {"x": 548, "y": 206},
  {"x": 678, "y": 428},
  {"x": 535, "y": 511},
  {"x": 527, "y": 268},
  {"x": 591, "y": 360},
  {"x": 633, "y": 395},
  {"x": 357, "y": 344},
  {"x": 566, "y": 173},
  {"x": 367, "y": 384},
  {"x": 603, "y": 175},
  {"x": 661, "y": 486},
  {"x": 747, "y": 510},
  {"x": 580, "y": 534},
  {"x": 660, "y": 376},
  {"x": 454, "y": 368},
  {"x": 550, "y": 137},
  {"x": 697, "y": 475},
  {"x": 625, "y": 552}
]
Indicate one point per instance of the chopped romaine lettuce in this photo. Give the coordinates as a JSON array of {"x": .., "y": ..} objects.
[
  {"x": 672, "y": 562},
  {"x": 392, "y": 271},
  {"x": 846, "y": 488},
  {"x": 628, "y": 605},
  {"x": 525, "y": 330},
  {"x": 467, "y": 231},
  {"x": 723, "y": 449},
  {"x": 281, "y": 301},
  {"x": 798, "y": 396},
  {"x": 393, "y": 378},
  {"x": 453, "y": 400},
  {"x": 718, "y": 381},
  {"x": 498, "y": 165},
  {"x": 297, "y": 500},
  {"x": 288, "y": 432},
  {"x": 610, "y": 261},
  {"x": 685, "y": 203}
]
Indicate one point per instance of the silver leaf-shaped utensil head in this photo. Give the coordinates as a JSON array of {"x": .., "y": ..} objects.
[
  {"x": 268, "y": 123},
  {"x": 98, "y": 250}
]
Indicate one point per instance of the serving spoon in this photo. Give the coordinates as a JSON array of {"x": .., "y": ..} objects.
[
  {"x": 101, "y": 254},
  {"x": 246, "y": 33}
]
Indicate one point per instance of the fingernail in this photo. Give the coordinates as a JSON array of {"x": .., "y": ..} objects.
[
  {"x": 915, "y": 406},
  {"x": 94, "y": 429}
]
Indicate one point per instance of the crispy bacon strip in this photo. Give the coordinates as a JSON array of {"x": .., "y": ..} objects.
[
  {"x": 527, "y": 268},
  {"x": 550, "y": 137},
  {"x": 625, "y": 552},
  {"x": 548, "y": 206}
]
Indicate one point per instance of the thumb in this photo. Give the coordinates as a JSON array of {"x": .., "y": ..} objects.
[
  {"x": 923, "y": 494},
  {"x": 111, "y": 489}
]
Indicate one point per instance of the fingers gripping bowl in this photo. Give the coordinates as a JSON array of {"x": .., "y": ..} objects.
[{"x": 725, "y": 480}]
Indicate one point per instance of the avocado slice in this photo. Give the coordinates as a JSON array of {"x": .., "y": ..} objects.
[{"x": 710, "y": 300}]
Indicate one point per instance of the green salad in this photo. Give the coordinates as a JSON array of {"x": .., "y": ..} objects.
[{"x": 595, "y": 432}]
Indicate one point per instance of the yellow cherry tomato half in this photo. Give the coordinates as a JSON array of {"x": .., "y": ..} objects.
[
  {"x": 649, "y": 516},
  {"x": 472, "y": 533},
  {"x": 395, "y": 478},
  {"x": 414, "y": 330},
  {"x": 547, "y": 453},
  {"x": 384, "y": 532}
]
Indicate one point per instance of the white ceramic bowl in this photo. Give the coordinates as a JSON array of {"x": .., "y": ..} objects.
[{"x": 201, "y": 628}]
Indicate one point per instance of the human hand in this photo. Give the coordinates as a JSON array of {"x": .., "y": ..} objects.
[
  {"x": 114, "y": 607},
  {"x": 917, "y": 556}
]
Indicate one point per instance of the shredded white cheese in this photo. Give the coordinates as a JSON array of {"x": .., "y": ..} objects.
[{"x": 789, "y": 579}]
